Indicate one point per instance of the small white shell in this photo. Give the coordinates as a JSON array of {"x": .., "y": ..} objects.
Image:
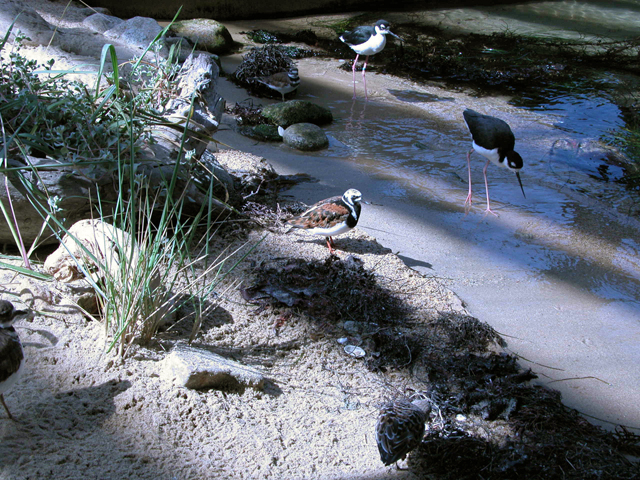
[
  {"x": 354, "y": 351},
  {"x": 343, "y": 340}
]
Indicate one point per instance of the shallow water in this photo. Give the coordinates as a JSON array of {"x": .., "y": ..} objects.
[
  {"x": 557, "y": 273},
  {"x": 567, "y": 181}
]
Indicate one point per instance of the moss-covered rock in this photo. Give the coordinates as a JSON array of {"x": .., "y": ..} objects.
[
  {"x": 264, "y": 133},
  {"x": 207, "y": 34},
  {"x": 305, "y": 136},
  {"x": 289, "y": 113}
]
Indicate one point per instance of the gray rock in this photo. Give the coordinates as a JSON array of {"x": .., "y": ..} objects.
[
  {"x": 207, "y": 34},
  {"x": 213, "y": 172},
  {"x": 196, "y": 368},
  {"x": 100, "y": 23},
  {"x": 288, "y": 113},
  {"x": 136, "y": 32},
  {"x": 27, "y": 20},
  {"x": 199, "y": 73},
  {"x": 69, "y": 189},
  {"x": 305, "y": 136},
  {"x": 185, "y": 48}
]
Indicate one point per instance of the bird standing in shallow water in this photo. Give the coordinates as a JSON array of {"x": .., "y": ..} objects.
[
  {"x": 282, "y": 82},
  {"x": 494, "y": 140},
  {"x": 400, "y": 428},
  {"x": 11, "y": 356},
  {"x": 332, "y": 216},
  {"x": 366, "y": 41}
]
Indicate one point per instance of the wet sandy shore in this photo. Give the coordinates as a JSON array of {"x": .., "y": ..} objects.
[{"x": 557, "y": 273}]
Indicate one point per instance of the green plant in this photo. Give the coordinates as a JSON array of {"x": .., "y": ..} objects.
[
  {"x": 154, "y": 270},
  {"x": 142, "y": 267}
]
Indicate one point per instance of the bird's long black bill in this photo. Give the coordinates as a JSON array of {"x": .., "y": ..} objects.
[
  {"x": 520, "y": 182},
  {"x": 399, "y": 38}
]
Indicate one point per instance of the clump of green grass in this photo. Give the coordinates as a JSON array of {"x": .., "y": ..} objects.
[{"x": 151, "y": 268}]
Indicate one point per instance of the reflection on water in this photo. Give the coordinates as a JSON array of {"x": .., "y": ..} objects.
[
  {"x": 587, "y": 115},
  {"x": 413, "y": 96},
  {"x": 418, "y": 146}
]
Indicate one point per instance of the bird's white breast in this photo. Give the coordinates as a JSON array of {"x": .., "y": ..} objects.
[
  {"x": 330, "y": 231},
  {"x": 372, "y": 46},
  {"x": 491, "y": 155}
]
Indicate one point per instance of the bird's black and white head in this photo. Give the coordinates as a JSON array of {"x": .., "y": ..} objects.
[
  {"x": 293, "y": 74},
  {"x": 382, "y": 27},
  {"x": 8, "y": 314},
  {"x": 352, "y": 197},
  {"x": 513, "y": 161}
]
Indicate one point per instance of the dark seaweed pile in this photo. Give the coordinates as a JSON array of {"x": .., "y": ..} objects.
[
  {"x": 265, "y": 61},
  {"x": 488, "y": 419},
  {"x": 327, "y": 292}
]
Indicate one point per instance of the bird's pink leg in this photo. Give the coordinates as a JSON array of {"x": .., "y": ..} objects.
[
  {"x": 364, "y": 79},
  {"x": 486, "y": 185},
  {"x": 355, "y": 62},
  {"x": 468, "y": 200}
]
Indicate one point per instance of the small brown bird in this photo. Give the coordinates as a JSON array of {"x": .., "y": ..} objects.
[
  {"x": 400, "y": 428},
  {"x": 11, "y": 356},
  {"x": 332, "y": 216},
  {"x": 282, "y": 82}
]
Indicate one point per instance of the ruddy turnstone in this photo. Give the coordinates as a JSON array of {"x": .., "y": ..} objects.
[
  {"x": 332, "y": 216},
  {"x": 400, "y": 428},
  {"x": 11, "y": 356},
  {"x": 494, "y": 140},
  {"x": 366, "y": 41},
  {"x": 282, "y": 82}
]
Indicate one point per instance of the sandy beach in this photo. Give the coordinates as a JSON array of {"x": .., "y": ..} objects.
[{"x": 83, "y": 413}]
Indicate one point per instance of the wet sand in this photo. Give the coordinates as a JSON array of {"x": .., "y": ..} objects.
[{"x": 556, "y": 273}]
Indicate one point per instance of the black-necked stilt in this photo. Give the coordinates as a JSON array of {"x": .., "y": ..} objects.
[
  {"x": 282, "y": 82},
  {"x": 11, "y": 356},
  {"x": 366, "y": 41},
  {"x": 400, "y": 428},
  {"x": 494, "y": 140},
  {"x": 332, "y": 216}
]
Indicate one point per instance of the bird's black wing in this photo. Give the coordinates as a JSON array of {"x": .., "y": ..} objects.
[{"x": 489, "y": 132}]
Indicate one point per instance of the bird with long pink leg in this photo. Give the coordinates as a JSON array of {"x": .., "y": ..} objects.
[
  {"x": 493, "y": 139},
  {"x": 367, "y": 41}
]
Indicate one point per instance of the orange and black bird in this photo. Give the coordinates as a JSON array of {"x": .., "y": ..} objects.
[{"x": 332, "y": 216}]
